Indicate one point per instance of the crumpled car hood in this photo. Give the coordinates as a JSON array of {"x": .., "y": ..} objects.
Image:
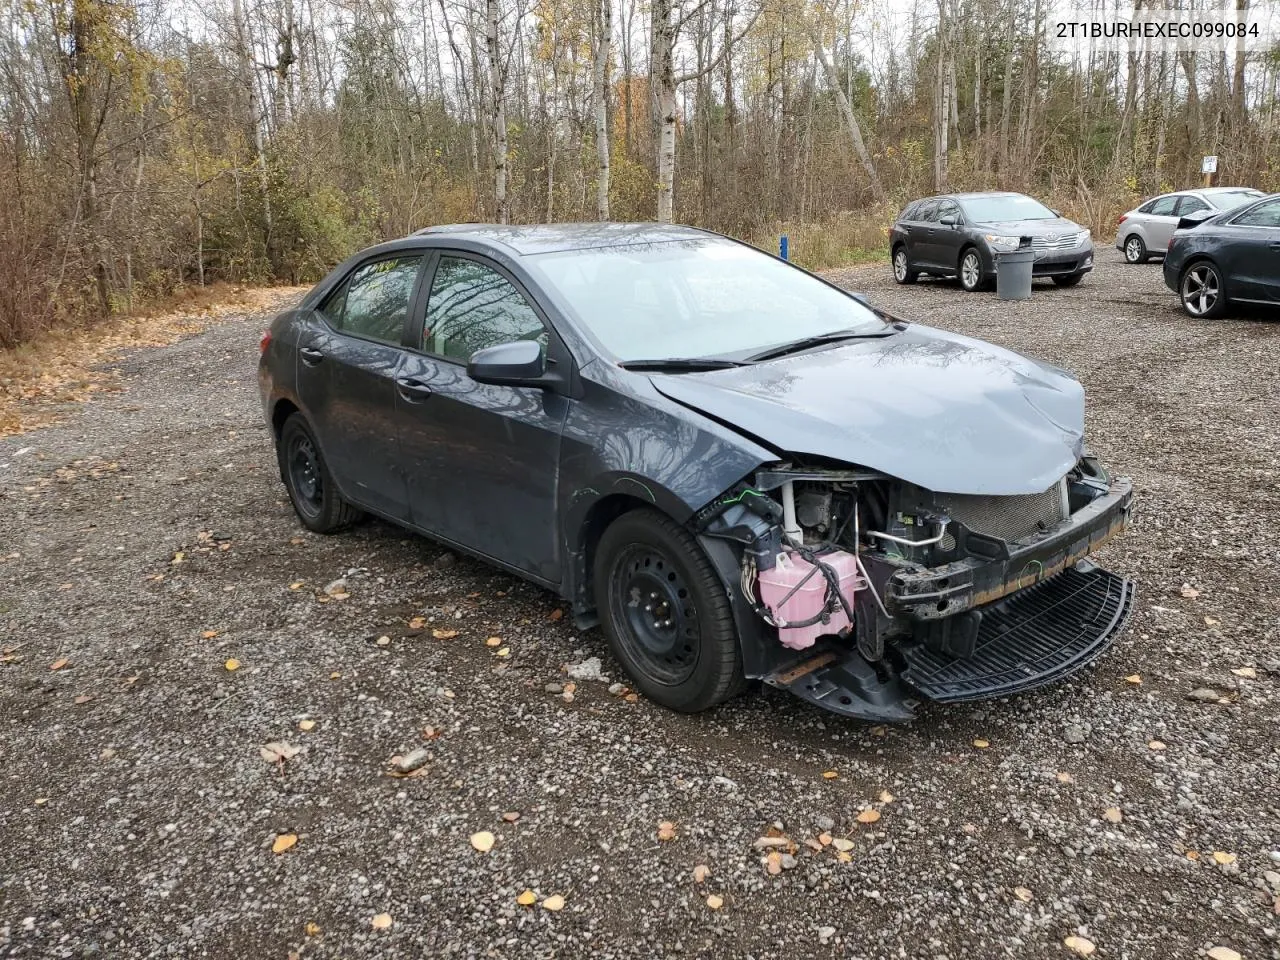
[
  {"x": 1031, "y": 228},
  {"x": 946, "y": 412}
]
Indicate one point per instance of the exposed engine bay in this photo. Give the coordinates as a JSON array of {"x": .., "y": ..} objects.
[{"x": 871, "y": 593}]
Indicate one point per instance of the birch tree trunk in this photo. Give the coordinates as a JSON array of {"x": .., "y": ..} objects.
[
  {"x": 663, "y": 80},
  {"x": 600, "y": 98},
  {"x": 497, "y": 111}
]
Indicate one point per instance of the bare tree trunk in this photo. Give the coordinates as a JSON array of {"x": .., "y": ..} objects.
[
  {"x": 497, "y": 111},
  {"x": 850, "y": 121},
  {"x": 255, "y": 118},
  {"x": 663, "y": 82},
  {"x": 600, "y": 101}
]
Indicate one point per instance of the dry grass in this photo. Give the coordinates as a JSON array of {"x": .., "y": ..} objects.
[{"x": 39, "y": 380}]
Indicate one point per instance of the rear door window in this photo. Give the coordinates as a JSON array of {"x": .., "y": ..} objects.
[
  {"x": 1263, "y": 215},
  {"x": 1191, "y": 205},
  {"x": 948, "y": 208},
  {"x": 1163, "y": 207},
  {"x": 374, "y": 301},
  {"x": 928, "y": 212}
]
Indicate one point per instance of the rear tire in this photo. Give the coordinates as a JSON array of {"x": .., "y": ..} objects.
[
  {"x": 902, "y": 271},
  {"x": 665, "y": 613},
  {"x": 1069, "y": 280},
  {"x": 970, "y": 271},
  {"x": 1203, "y": 291},
  {"x": 1135, "y": 251},
  {"x": 312, "y": 492}
]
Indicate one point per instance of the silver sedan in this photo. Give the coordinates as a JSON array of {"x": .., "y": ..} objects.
[{"x": 1146, "y": 231}]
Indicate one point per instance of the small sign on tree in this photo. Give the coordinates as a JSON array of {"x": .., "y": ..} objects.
[{"x": 1210, "y": 165}]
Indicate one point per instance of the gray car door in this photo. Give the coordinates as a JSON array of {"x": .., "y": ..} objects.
[
  {"x": 349, "y": 355},
  {"x": 1253, "y": 267},
  {"x": 482, "y": 459},
  {"x": 947, "y": 239},
  {"x": 1160, "y": 221}
]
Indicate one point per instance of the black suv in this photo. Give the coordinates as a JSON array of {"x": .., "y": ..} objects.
[{"x": 960, "y": 234}]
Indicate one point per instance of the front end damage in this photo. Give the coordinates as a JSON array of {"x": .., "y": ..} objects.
[{"x": 865, "y": 594}]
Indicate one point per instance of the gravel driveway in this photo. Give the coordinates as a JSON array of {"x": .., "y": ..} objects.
[{"x": 146, "y": 543}]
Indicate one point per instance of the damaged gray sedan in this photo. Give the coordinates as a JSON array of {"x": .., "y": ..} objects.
[{"x": 736, "y": 469}]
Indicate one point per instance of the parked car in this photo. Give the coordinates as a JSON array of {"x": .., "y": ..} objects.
[
  {"x": 1232, "y": 257},
  {"x": 736, "y": 468},
  {"x": 960, "y": 235},
  {"x": 1145, "y": 231}
]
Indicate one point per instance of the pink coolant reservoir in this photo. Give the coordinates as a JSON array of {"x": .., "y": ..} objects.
[{"x": 807, "y": 601}]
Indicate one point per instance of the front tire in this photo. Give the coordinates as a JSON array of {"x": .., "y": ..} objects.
[
  {"x": 1135, "y": 251},
  {"x": 312, "y": 492},
  {"x": 971, "y": 278},
  {"x": 665, "y": 613},
  {"x": 902, "y": 271},
  {"x": 1069, "y": 280},
  {"x": 1203, "y": 293}
]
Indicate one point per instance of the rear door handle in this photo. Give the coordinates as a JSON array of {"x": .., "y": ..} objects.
[
  {"x": 412, "y": 389},
  {"x": 310, "y": 355},
  {"x": 1275, "y": 244}
]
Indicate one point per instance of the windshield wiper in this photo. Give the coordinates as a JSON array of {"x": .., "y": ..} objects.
[
  {"x": 805, "y": 343},
  {"x": 678, "y": 364}
]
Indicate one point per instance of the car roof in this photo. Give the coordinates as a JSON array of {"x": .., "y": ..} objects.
[{"x": 527, "y": 239}]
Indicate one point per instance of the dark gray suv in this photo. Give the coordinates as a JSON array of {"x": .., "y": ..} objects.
[{"x": 960, "y": 234}]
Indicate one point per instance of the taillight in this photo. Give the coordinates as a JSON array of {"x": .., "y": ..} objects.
[
  {"x": 1123, "y": 218},
  {"x": 264, "y": 342}
]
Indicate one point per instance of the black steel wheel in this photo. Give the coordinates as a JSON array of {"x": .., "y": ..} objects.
[
  {"x": 312, "y": 492},
  {"x": 665, "y": 613}
]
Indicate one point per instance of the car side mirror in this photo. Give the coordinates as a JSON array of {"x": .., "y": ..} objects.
[
  {"x": 520, "y": 363},
  {"x": 948, "y": 221}
]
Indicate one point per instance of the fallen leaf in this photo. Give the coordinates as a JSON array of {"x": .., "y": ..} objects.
[
  {"x": 444, "y": 634},
  {"x": 1023, "y": 894},
  {"x": 1189, "y": 591},
  {"x": 312, "y": 929},
  {"x": 527, "y": 899},
  {"x": 570, "y": 687},
  {"x": 868, "y": 816},
  {"x": 383, "y": 641},
  {"x": 813, "y": 845},
  {"x": 482, "y": 841},
  {"x": 632, "y": 698},
  {"x": 1063, "y": 777},
  {"x": 1134, "y": 678},
  {"x": 1211, "y": 621},
  {"x": 666, "y": 830},
  {"x": 1080, "y": 945},
  {"x": 1112, "y": 815},
  {"x": 83, "y": 699},
  {"x": 887, "y": 797},
  {"x": 773, "y": 863},
  {"x": 59, "y": 663},
  {"x": 556, "y": 614},
  {"x": 382, "y": 921},
  {"x": 278, "y": 751},
  {"x": 1277, "y": 906},
  {"x": 844, "y": 857},
  {"x": 232, "y": 664},
  {"x": 208, "y": 634},
  {"x": 981, "y": 744},
  {"x": 771, "y": 843},
  {"x": 504, "y": 652},
  {"x": 335, "y": 675},
  {"x": 843, "y": 844},
  {"x": 1223, "y": 858},
  {"x": 824, "y": 839},
  {"x": 830, "y": 775},
  {"x": 1248, "y": 673},
  {"x": 284, "y": 842},
  {"x": 554, "y": 903},
  {"x": 296, "y": 585},
  {"x": 417, "y": 623},
  {"x": 1155, "y": 745},
  {"x": 305, "y": 725},
  {"x": 41, "y": 801},
  {"x": 493, "y": 642},
  {"x": 1223, "y": 953},
  {"x": 296, "y": 541},
  {"x": 1193, "y": 854},
  {"x": 701, "y": 872},
  {"x": 178, "y": 558},
  {"x": 511, "y": 816},
  {"x": 715, "y": 902}
]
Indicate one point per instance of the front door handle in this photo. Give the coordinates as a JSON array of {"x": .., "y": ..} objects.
[
  {"x": 412, "y": 389},
  {"x": 310, "y": 355},
  {"x": 1275, "y": 244}
]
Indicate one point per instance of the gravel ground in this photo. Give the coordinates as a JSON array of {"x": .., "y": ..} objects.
[{"x": 146, "y": 541}]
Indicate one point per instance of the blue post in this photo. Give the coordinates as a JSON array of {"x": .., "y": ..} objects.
[{"x": 784, "y": 247}]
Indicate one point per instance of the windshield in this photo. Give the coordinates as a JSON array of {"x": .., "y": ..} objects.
[
  {"x": 697, "y": 298},
  {"x": 1009, "y": 207},
  {"x": 1230, "y": 199}
]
